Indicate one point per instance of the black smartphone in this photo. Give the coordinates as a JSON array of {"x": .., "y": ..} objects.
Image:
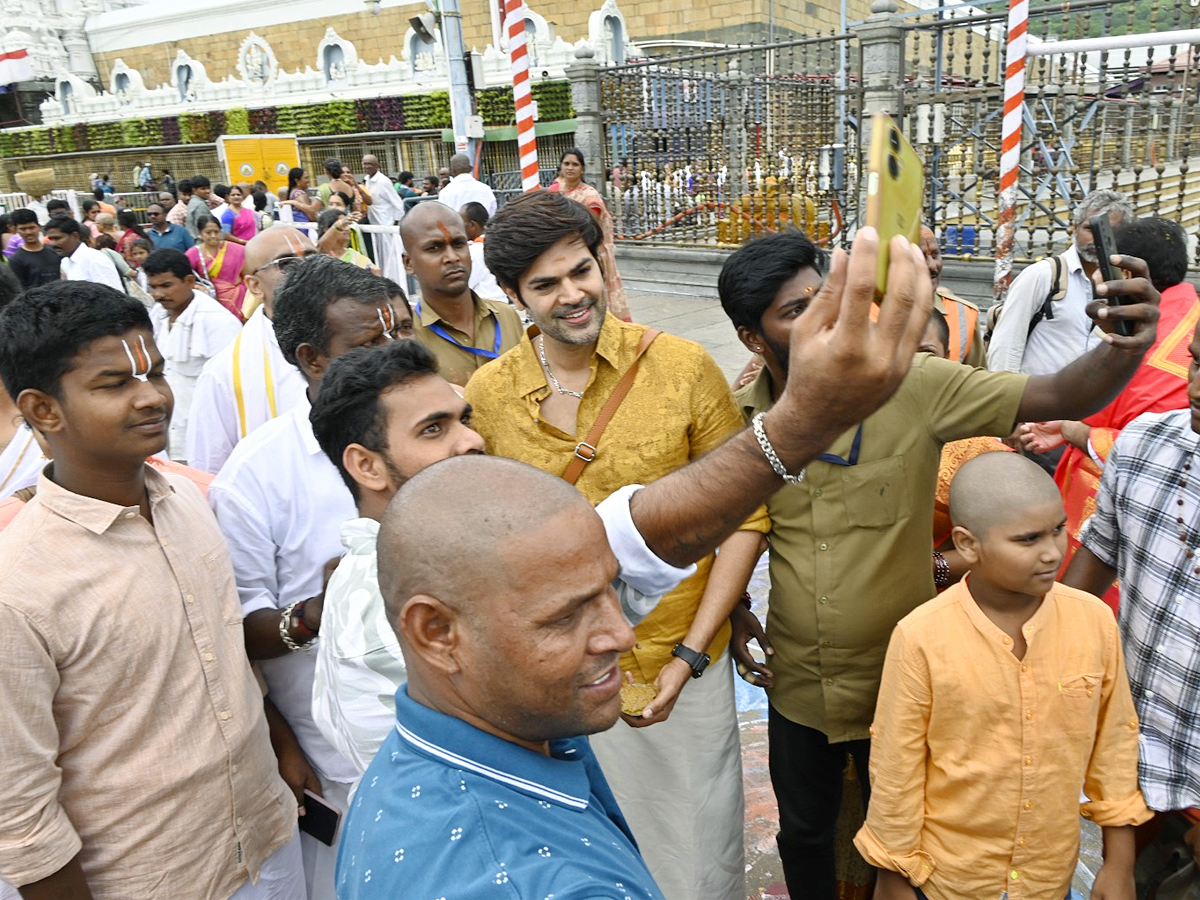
[
  {"x": 320, "y": 819},
  {"x": 1106, "y": 246}
]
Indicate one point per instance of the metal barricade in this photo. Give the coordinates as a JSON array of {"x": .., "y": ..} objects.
[{"x": 715, "y": 147}]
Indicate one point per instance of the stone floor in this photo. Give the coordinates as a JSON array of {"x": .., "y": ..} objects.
[{"x": 703, "y": 320}]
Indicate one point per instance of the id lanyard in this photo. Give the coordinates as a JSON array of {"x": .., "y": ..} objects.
[
  {"x": 476, "y": 351},
  {"x": 856, "y": 445}
]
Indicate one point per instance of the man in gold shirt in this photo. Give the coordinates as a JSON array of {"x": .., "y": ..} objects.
[
  {"x": 463, "y": 330},
  {"x": 851, "y": 545},
  {"x": 676, "y": 768}
]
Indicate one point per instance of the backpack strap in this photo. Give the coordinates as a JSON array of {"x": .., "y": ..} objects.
[{"x": 1057, "y": 292}]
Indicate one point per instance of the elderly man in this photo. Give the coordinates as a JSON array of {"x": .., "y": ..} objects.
[
  {"x": 1037, "y": 336},
  {"x": 386, "y": 209},
  {"x": 249, "y": 382},
  {"x": 464, "y": 188},
  {"x": 510, "y": 660}
]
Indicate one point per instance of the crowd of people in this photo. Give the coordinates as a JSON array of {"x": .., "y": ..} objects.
[{"x": 366, "y": 592}]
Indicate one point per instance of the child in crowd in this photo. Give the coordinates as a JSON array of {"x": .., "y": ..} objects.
[{"x": 1001, "y": 700}]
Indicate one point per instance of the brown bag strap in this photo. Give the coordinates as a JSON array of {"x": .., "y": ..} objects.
[{"x": 585, "y": 450}]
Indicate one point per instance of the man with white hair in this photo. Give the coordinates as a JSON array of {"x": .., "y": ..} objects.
[
  {"x": 386, "y": 209},
  {"x": 1038, "y": 335}
]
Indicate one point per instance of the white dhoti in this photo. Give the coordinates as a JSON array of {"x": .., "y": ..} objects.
[
  {"x": 389, "y": 255},
  {"x": 679, "y": 784}
]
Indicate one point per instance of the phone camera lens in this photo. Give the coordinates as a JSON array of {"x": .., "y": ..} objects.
[
  {"x": 894, "y": 166},
  {"x": 894, "y": 138}
]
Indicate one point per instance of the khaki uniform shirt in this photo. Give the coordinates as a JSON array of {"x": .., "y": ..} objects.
[
  {"x": 851, "y": 546},
  {"x": 455, "y": 363},
  {"x": 132, "y": 730},
  {"x": 678, "y": 408}
]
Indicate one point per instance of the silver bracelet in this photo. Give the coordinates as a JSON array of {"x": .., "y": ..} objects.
[
  {"x": 288, "y": 641},
  {"x": 769, "y": 452}
]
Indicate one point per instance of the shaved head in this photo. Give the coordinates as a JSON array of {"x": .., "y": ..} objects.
[
  {"x": 273, "y": 243},
  {"x": 444, "y": 537},
  {"x": 460, "y": 164},
  {"x": 498, "y": 580},
  {"x": 998, "y": 489},
  {"x": 424, "y": 216}
]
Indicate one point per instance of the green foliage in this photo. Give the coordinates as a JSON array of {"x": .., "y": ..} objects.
[
  {"x": 427, "y": 110},
  {"x": 415, "y": 111},
  {"x": 495, "y": 105},
  {"x": 553, "y": 100},
  {"x": 237, "y": 121}
]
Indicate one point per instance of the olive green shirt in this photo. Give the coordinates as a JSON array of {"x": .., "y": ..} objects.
[
  {"x": 455, "y": 363},
  {"x": 851, "y": 546}
]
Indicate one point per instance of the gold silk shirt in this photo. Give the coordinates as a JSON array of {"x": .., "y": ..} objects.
[
  {"x": 978, "y": 757},
  {"x": 851, "y": 546},
  {"x": 456, "y": 363},
  {"x": 679, "y": 408}
]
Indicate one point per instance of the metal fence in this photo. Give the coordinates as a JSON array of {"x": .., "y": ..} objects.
[
  {"x": 1122, "y": 119},
  {"x": 712, "y": 148}
]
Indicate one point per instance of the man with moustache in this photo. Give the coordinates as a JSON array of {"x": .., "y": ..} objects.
[{"x": 463, "y": 330}]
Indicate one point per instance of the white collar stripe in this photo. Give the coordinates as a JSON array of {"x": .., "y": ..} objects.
[{"x": 488, "y": 772}]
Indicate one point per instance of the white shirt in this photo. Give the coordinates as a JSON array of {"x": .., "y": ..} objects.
[
  {"x": 359, "y": 661},
  {"x": 21, "y": 462},
  {"x": 386, "y": 206},
  {"x": 1054, "y": 342},
  {"x": 482, "y": 281},
  {"x": 201, "y": 331},
  {"x": 464, "y": 189},
  {"x": 86, "y": 264},
  {"x": 281, "y": 504},
  {"x": 234, "y": 393}
]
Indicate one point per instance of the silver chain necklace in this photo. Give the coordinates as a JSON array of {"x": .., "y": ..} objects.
[{"x": 578, "y": 395}]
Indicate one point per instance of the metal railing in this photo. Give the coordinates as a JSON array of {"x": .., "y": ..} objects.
[
  {"x": 714, "y": 147},
  {"x": 1122, "y": 119}
]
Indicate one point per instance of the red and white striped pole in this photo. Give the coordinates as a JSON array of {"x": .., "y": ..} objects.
[
  {"x": 1010, "y": 143},
  {"x": 514, "y": 14}
]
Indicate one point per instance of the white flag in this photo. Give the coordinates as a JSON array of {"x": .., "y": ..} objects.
[{"x": 15, "y": 65}]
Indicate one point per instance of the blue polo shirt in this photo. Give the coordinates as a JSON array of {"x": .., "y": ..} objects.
[
  {"x": 449, "y": 811},
  {"x": 176, "y": 237}
]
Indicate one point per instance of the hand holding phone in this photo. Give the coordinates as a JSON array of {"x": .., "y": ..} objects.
[
  {"x": 895, "y": 190},
  {"x": 1106, "y": 246},
  {"x": 320, "y": 818}
]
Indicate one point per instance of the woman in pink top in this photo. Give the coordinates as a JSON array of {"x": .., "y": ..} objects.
[
  {"x": 237, "y": 220},
  {"x": 220, "y": 262}
]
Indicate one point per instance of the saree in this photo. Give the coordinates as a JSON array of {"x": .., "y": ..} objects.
[{"x": 224, "y": 271}]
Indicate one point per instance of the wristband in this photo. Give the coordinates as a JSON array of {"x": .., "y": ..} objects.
[
  {"x": 301, "y": 626},
  {"x": 746, "y": 600}
]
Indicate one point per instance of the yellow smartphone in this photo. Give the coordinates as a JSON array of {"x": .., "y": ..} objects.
[{"x": 895, "y": 190}]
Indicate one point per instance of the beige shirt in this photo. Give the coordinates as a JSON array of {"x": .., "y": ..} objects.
[{"x": 132, "y": 730}]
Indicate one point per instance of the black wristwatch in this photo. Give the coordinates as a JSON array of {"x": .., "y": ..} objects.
[{"x": 698, "y": 661}]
